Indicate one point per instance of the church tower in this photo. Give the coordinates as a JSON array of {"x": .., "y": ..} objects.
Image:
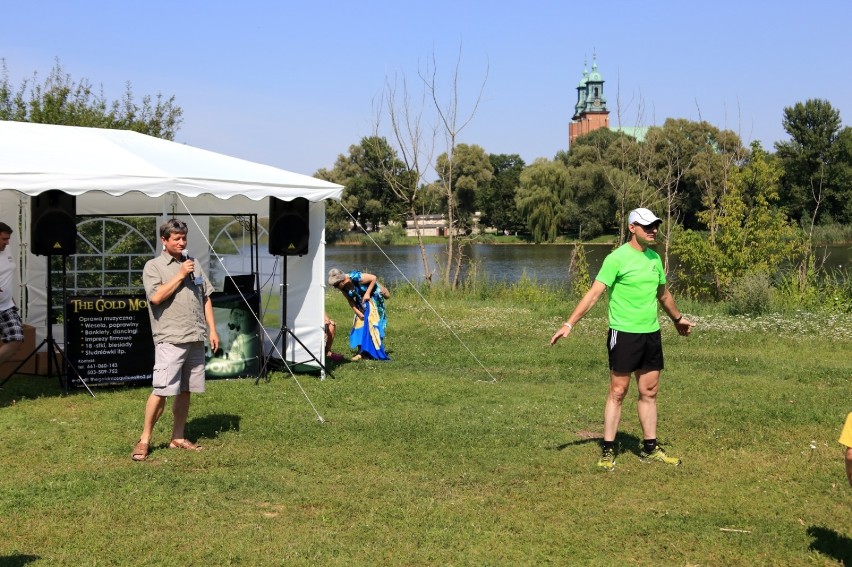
[{"x": 590, "y": 112}]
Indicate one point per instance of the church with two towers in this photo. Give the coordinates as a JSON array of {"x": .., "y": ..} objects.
[{"x": 590, "y": 112}]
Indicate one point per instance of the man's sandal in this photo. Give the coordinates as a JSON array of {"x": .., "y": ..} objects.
[
  {"x": 140, "y": 452},
  {"x": 184, "y": 444}
]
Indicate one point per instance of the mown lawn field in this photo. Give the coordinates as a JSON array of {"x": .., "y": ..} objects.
[{"x": 475, "y": 445}]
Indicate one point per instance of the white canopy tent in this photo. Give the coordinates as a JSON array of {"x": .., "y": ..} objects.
[{"x": 119, "y": 172}]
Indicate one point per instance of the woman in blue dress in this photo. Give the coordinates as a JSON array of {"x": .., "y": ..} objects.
[{"x": 367, "y": 299}]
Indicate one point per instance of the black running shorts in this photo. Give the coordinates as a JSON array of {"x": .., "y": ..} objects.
[{"x": 629, "y": 352}]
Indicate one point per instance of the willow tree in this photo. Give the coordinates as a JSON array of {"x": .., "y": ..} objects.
[{"x": 544, "y": 198}]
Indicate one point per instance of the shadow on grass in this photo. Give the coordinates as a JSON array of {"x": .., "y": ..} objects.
[
  {"x": 623, "y": 441},
  {"x": 830, "y": 543},
  {"x": 211, "y": 426},
  {"x": 17, "y": 560},
  {"x": 22, "y": 386}
]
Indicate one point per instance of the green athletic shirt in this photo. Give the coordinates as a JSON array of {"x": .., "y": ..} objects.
[{"x": 633, "y": 278}]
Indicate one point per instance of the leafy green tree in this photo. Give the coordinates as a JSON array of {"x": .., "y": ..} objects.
[
  {"x": 618, "y": 156},
  {"x": 545, "y": 199},
  {"x": 690, "y": 161},
  {"x": 617, "y": 159},
  {"x": 605, "y": 185},
  {"x": 497, "y": 199},
  {"x": 59, "y": 99},
  {"x": 367, "y": 195},
  {"x": 105, "y": 245},
  {"x": 752, "y": 235},
  {"x": 816, "y": 163},
  {"x": 467, "y": 173},
  {"x": 843, "y": 195}
]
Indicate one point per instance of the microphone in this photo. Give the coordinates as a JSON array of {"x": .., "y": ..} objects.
[{"x": 185, "y": 253}]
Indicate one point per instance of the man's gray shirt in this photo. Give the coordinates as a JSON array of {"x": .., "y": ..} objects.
[{"x": 180, "y": 318}]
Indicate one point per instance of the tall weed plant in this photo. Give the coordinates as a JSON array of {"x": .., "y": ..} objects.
[{"x": 578, "y": 271}]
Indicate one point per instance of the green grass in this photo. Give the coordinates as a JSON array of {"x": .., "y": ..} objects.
[{"x": 425, "y": 461}]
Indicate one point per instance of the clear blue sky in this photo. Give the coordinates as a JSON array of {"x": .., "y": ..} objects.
[{"x": 293, "y": 84}]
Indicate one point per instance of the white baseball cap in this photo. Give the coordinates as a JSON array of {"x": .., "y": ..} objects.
[{"x": 643, "y": 217}]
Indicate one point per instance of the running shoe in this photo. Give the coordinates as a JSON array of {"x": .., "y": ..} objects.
[
  {"x": 607, "y": 460},
  {"x": 658, "y": 456}
]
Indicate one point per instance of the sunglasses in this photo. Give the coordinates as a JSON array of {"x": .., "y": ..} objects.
[{"x": 649, "y": 227}]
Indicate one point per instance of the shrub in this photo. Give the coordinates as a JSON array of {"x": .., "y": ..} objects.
[
  {"x": 390, "y": 234},
  {"x": 750, "y": 294}
]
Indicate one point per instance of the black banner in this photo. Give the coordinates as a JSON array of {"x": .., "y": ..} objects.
[{"x": 108, "y": 339}]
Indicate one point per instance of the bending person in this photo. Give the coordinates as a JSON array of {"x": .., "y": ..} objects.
[{"x": 367, "y": 299}]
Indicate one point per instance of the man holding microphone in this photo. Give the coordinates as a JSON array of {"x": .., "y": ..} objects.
[{"x": 181, "y": 313}]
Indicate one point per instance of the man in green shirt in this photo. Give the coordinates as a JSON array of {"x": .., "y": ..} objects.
[{"x": 634, "y": 275}]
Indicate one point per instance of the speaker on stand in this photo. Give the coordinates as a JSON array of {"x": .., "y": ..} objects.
[
  {"x": 53, "y": 224},
  {"x": 53, "y": 232},
  {"x": 289, "y": 229},
  {"x": 289, "y": 235}
]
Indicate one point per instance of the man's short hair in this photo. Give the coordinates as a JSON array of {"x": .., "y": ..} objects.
[
  {"x": 172, "y": 226},
  {"x": 5, "y": 228}
]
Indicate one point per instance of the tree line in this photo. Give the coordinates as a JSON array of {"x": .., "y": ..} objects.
[
  {"x": 682, "y": 167},
  {"x": 731, "y": 210}
]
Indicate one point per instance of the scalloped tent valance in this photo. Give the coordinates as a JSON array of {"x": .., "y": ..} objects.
[{"x": 39, "y": 157}]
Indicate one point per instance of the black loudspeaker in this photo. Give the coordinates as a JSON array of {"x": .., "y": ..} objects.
[
  {"x": 289, "y": 231},
  {"x": 53, "y": 223}
]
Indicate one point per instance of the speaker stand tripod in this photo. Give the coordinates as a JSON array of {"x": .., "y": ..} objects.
[
  {"x": 55, "y": 355},
  {"x": 284, "y": 331}
]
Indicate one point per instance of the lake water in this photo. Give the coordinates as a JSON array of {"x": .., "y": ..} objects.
[{"x": 507, "y": 262}]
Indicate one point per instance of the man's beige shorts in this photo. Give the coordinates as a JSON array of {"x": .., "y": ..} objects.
[{"x": 178, "y": 368}]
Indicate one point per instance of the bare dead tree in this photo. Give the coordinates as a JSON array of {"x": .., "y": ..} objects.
[
  {"x": 810, "y": 263},
  {"x": 414, "y": 144},
  {"x": 629, "y": 188},
  {"x": 451, "y": 124},
  {"x": 669, "y": 185}
]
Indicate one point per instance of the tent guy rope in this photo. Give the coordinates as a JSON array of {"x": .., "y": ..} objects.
[
  {"x": 417, "y": 291},
  {"x": 259, "y": 322}
]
